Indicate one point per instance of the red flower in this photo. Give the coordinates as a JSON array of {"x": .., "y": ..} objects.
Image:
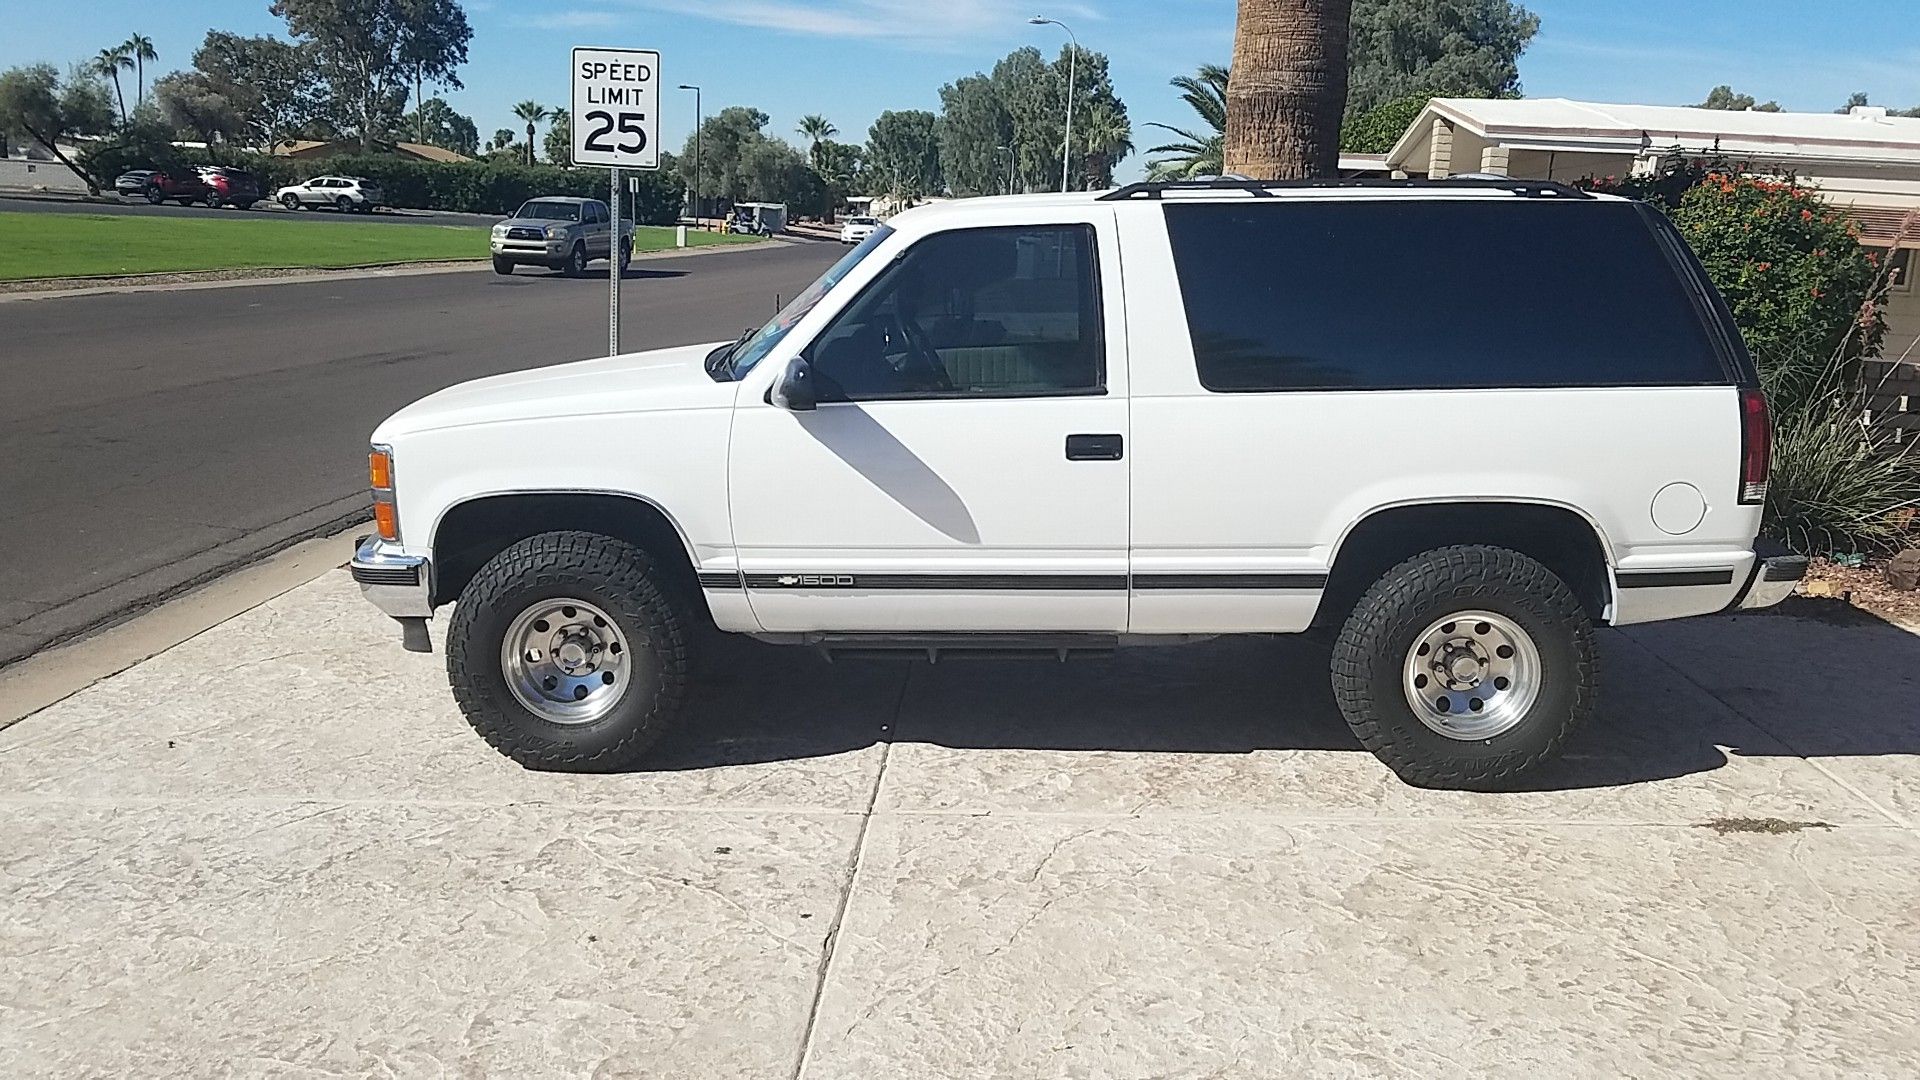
[{"x": 1806, "y": 215}]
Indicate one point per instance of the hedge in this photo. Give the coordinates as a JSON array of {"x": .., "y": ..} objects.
[{"x": 478, "y": 187}]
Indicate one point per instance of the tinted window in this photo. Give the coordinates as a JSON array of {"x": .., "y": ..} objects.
[
  {"x": 984, "y": 312},
  {"x": 1402, "y": 293},
  {"x": 550, "y": 211}
]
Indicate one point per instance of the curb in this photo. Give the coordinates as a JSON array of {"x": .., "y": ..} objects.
[{"x": 265, "y": 275}]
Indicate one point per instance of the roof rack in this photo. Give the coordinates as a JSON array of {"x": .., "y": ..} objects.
[{"x": 1526, "y": 189}]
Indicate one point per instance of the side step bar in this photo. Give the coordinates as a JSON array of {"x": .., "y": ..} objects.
[{"x": 935, "y": 648}]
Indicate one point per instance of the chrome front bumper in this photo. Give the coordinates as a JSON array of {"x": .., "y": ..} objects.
[
  {"x": 399, "y": 584},
  {"x": 1774, "y": 577}
]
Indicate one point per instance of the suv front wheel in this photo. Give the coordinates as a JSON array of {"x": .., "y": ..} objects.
[
  {"x": 1465, "y": 667},
  {"x": 566, "y": 654}
]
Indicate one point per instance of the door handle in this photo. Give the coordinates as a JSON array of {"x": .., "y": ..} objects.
[{"x": 1094, "y": 448}]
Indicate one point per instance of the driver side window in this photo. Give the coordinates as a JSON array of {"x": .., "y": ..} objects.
[{"x": 998, "y": 312}]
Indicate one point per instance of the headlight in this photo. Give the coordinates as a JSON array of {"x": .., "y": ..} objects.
[
  {"x": 499, "y": 230},
  {"x": 555, "y": 232},
  {"x": 386, "y": 520}
]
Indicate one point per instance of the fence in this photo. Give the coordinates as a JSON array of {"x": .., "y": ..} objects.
[{"x": 1893, "y": 397}]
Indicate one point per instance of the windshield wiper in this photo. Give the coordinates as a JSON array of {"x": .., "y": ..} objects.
[{"x": 721, "y": 359}]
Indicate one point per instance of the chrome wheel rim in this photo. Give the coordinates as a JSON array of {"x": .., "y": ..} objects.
[
  {"x": 566, "y": 661},
  {"x": 1471, "y": 675}
]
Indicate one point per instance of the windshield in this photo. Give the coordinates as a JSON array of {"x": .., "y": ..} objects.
[
  {"x": 862, "y": 221},
  {"x": 753, "y": 349},
  {"x": 549, "y": 211}
]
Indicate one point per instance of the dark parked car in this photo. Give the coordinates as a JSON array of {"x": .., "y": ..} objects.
[
  {"x": 237, "y": 188},
  {"x": 132, "y": 182},
  {"x": 183, "y": 186}
]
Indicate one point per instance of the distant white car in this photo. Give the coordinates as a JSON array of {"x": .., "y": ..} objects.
[
  {"x": 343, "y": 193},
  {"x": 857, "y": 229}
]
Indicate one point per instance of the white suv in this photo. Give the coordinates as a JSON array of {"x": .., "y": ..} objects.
[
  {"x": 343, "y": 193},
  {"x": 1458, "y": 424}
]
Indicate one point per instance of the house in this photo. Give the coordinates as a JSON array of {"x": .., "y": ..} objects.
[
  {"x": 1864, "y": 161},
  {"x": 312, "y": 149}
]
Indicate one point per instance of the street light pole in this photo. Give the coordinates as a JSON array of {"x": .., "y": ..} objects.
[
  {"x": 698, "y": 122},
  {"x": 1066, "y": 146}
]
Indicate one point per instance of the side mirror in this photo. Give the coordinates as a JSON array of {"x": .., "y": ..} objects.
[{"x": 794, "y": 390}]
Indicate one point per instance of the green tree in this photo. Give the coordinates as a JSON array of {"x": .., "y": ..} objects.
[
  {"x": 532, "y": 112},
  {"x": 35, "y": 103},
  {"x": 1021, "y": 106},
  {"x": 1103, "y": 137},
  {"x": 368, "y": 51},
  {"x": 108, "y": 64},
  {"x": 976, "y": 136},
  {"x": 1722, "y": 97},
  {"x": 1435, "y": 48},
  {"x": 727, "y": 139},
  {"x": 140, "y": 47},
  {"x": 559, "y": 141},
  {"x": 192, "y": 102},
  {"x": 439, "y": 125},
  {"x": 840, "y": 171},
  {"x": 1195, "y": 151},
  {"x": 502, "y": 138},
  {"x": 903, "y": 148},
  {"x": 1376, "y": 130},
  {"x": 268, "y": 82},
  {"x": 816, "y": 129}
]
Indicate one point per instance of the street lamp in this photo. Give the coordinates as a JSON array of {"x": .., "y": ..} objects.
[
  {"x": 1066, "y": 147},
  {"x": 697, "y": 121}
]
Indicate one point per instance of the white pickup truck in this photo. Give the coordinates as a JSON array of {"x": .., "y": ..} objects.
[{"x": 1457, "y": 424}]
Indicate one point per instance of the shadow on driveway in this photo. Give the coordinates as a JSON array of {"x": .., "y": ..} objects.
[{"x": 1673, "y": 695}]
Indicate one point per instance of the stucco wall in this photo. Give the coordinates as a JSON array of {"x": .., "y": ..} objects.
[
  {"x": 1903, "y": 326},
  {"x": 18, "y": 174}
]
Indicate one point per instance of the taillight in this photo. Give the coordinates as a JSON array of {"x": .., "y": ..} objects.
[{"x": 1756, "y": 446}]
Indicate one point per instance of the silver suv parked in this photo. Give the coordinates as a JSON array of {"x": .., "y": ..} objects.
[{"x": 561, "y": 233}]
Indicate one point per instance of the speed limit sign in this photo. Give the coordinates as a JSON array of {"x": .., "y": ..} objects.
[{"x": 616, "y": 107}]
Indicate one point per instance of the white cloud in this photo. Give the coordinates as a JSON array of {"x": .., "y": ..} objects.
[{"x": 931, "y": 22}]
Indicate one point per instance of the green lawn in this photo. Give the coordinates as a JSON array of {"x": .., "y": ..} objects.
[{"x": 92, "y": 245}]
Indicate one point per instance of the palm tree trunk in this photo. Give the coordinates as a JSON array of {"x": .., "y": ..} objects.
[
  {"x": 139, "y": 81},
  {"x": 1288, "y": 88},
  {"x": 529, "y": 142},
  {"x": 120, "y": 97}
]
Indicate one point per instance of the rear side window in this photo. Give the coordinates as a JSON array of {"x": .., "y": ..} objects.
[{"x": 1393, "y": 294}]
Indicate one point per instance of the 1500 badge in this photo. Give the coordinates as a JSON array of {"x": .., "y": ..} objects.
[{"x": 816, "y": 580}]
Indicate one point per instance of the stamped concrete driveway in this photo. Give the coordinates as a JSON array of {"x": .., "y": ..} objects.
[{"x": 277, "y": 850}]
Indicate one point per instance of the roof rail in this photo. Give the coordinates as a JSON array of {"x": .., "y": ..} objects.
[{"x": 1526, "y": 189}]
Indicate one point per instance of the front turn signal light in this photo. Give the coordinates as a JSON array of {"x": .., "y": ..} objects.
[
  {"x": 380, "y": 469},
  {"x": 385, "y": 521}
]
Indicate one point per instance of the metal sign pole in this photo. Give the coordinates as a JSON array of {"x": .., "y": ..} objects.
[{"x": 616, "y": 246}]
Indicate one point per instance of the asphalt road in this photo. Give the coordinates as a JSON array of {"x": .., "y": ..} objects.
[
  {"x": 154, "y": 439},
  {"x": 265, "y": 210}
]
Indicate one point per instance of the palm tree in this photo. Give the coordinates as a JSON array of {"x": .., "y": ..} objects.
[
  {"x": 1196, "y": 153},
  {"x": 502, "y": 138},
  {"x": 140, "y": 47},
  {"x": 1105, "y": 136},
  {"x": 1288, "y": 89},
  {"x": 816, "y": 129},
  {"x": 109, "y": 64},
  {"x": 532, "y": 112}
]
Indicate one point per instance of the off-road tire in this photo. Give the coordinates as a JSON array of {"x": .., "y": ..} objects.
[
  {"x": 611, "y": 574},
  {"x": 502, "y": 266},
  {"x": 1373, "y": 644}
]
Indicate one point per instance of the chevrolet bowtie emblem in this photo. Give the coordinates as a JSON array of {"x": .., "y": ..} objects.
[{"x": 789, "y": 579}]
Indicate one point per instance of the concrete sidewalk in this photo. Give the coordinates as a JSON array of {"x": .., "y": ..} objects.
[{"x": 277, "y": 849}]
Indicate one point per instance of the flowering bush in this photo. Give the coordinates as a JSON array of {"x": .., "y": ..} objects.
[{"x": 1802, "y": 288}]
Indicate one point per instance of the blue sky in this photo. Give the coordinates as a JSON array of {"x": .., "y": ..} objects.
[{"x": 850, "y": 59}]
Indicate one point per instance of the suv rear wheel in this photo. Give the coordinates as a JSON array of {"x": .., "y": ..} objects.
[
  {"x": 565, "y": 654},
  {"x": 1465, "y": 667},
  {"x": 344, "y": 204}
]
